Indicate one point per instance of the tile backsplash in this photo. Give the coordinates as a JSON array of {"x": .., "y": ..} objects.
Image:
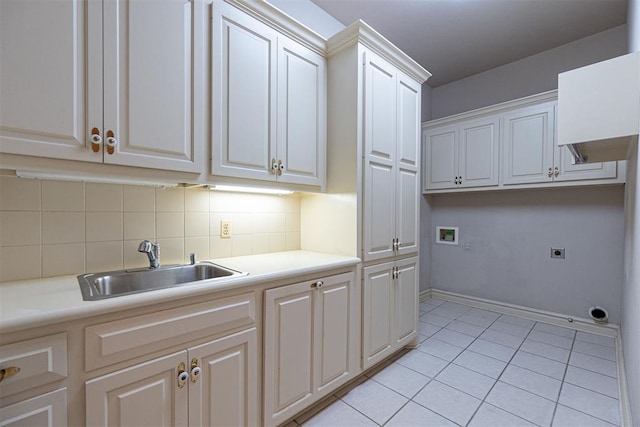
[{"x": 52, "y": 228}]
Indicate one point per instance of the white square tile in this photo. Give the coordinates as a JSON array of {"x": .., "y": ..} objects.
[
  {"x": 260, "y": 243},
  {"x": 434, "y": 319},
  {"x": 240, "y": 245},
  {"x": 486, "y": 314},
  {"x": 169, "y": 199},
  {"x": 596, "y": 339},
  {"x": 509, "y": 328},
  {"x": 476, "y": 320},
  {"x": 596, "y": 350},
  {"x": 445, "y": 313},
  {"x": 448, "y": 402},
  {"x": 502, "y": 338},
  {"x": 533, "y": 382},
  {"x": 63, "y": 227},
  {"x": 517, "y": 321},
  {"x": 196, "y": 224},
  {"x": 19, "y": 194},
  {"x": 171, "y": 251},
  {"x": 20, "y": 228},
  {"x": 198, "y": 246},
  {"x": 526, "y": 405},
  {"x": 139, "y": 225},
  {"x": 427, "y": 329},
  {"x": 463, "y": 379},
  {"x": 220, "y": 248},
  {"x": 423, "y": 363},
  {"x": 292, "y": 221},
  {"x": 453, "y": 337},
  {"x": 591, "y": 403},
  {"x": 277, "y": 242},
  {"x": 546, "y": 350},
  {"x": 59, "y": 260},
  {"x": 592, "y": 381},
  {"x": 440, "y": 349},
  {"x": 315, "y": 409},
  {"x": 104, "y": 256},
  {"x": 133, "y": 258},
  {"x": 62, "y": 196},
  {"x": 465, "y": 328},
  {"x": 455, "y": 307},
  {"x": 413, "y": 414},
  {"x": 104, "y": 226},
  {"x": 497, "y": 351},
  {"x": 480, "y": 363},
  {"x": 169, "y": 224},
  {"x": 595, "y": 364},
  {"x": 553, "y": 329},
  {"x": 196, "y": 200},
  {"x": 277, "y": 223},
  {"x": 339, "y": 414},
  {"x": 375, "y": 401},
  {"x": 553, "y": 339},
  {"x": 539, "y": 364},
  {"x": 491, "y": 416},
  {"x": 16, "y": 263},
  {"x": 103, "y": 197},
  {"x": 137, "y": 198},
  {"x": 566, "y": 416},
  {"x": 259, "y": 223},
  {"x": 292, "y": 241},
  {"x": 401, "y": 379}
]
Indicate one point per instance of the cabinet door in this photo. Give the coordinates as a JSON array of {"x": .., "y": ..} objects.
[
  {"x": 226, "y": 392},
  {"x": 288, "y": 351},
  {"x": 568, "y": 171},
  {"x": 406, "y": 301},
  {"x": 377, "y": 313},
  {"x": 479, "y": 153},
  {"x": 153, "y": 83},
  {"x": 332, "y": 332},
  {"x": 301, "y": 114},
  {"x": 408, "y": 161},
  {"x": 441, "y": 157},
  {"x": 48, "y": 48},
  {"x": 380, "y": 157},
  {"x": 45, "y": 410},
  {"x": 244, "y": 103},
  {"x": 142, "y": 395},
  {"x": 528, "y": 145}
]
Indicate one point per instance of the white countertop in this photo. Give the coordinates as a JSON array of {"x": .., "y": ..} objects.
[{"x": 32, "y": 303}]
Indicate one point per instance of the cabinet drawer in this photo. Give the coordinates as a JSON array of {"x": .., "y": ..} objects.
[
  {"x": 120, "y": 340},
  {"x": 41, "y": 361}
]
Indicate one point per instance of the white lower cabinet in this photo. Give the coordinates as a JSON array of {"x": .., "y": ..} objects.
[
  {"x": 390, "y": 308},
  {"x": 308, "y": 329},
  {"x": 213, "y": 384},
  {"x": 45, "y": 410}
]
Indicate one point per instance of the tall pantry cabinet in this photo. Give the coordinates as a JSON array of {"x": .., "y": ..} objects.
[{"x": 373, "y": 137}]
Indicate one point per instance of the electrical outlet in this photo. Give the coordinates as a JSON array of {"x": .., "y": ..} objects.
[
  {"x": 225, "y": 229},
  {"x": 557, "y": 253}
]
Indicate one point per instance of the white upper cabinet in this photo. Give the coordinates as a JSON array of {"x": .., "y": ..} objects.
[
  {"x": 391, "y": 138},
  {"x": 269, "y": 103},
  {"x": 465, "y": 155},
  {"x": 118, "y": 82},
  {"x": 506, "y": 145}
]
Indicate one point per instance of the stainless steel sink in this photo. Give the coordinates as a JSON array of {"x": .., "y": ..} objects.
[{"x": 96, "y": 286}]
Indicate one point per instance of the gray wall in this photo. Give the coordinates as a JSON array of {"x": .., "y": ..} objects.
[
  {"x": 630, "y": 323},
  {"x": 534, "y": 74},
  {"x": 511, "y": 233},
  {"x": 310, "y": 15}
]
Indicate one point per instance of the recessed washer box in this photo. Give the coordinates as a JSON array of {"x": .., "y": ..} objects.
[{"x": 447, "y": 235}]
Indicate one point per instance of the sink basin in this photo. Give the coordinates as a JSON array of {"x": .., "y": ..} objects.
[{"x": 96, "y": 286}]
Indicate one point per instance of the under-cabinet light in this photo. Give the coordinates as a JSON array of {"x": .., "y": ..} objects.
[
  {"x": 250, "y": 190},
  {"x": 92, "y": 179}
]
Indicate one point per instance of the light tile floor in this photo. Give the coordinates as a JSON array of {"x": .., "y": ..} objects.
[{"x": 480, "y": 368}]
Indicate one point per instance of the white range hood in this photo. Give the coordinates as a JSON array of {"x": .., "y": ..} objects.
[{"x": 599, "y": 109}]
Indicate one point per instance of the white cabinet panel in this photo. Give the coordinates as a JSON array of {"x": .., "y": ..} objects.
[
  {"x": 226, "y": 393},
  {"x": 406, "y": 301},
  {"x": 569, "y": 171},
  {"x": 408, "y": 112},
  {"x": 479, "y": 153},
  {"x": 146, "y": 394},
  {"x": 379, "y": 210},
  {"x": 46, "y": 410},
  {"x": 441, "y": 158},
  {"x": 44, "y": 77},
  {"x": 407, "y": 211},
  {"x": 377, "y": 315}
]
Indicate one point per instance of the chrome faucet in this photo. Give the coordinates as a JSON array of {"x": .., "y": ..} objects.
[{"x": 153, "y": 252}]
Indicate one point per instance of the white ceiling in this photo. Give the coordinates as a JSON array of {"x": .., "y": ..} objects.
[{"x": 454, "y": 39}]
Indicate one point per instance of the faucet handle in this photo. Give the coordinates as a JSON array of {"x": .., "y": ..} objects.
[{"x": 192, "y": 258}]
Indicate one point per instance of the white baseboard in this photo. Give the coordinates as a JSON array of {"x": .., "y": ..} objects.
[{"x": 558, "y": 319}]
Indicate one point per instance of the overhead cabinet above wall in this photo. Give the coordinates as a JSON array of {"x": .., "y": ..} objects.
[
  {"x": 509, "y": 145},
  {"x": 269, "y": 98},
  {"x": 119, "y": 82}
]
